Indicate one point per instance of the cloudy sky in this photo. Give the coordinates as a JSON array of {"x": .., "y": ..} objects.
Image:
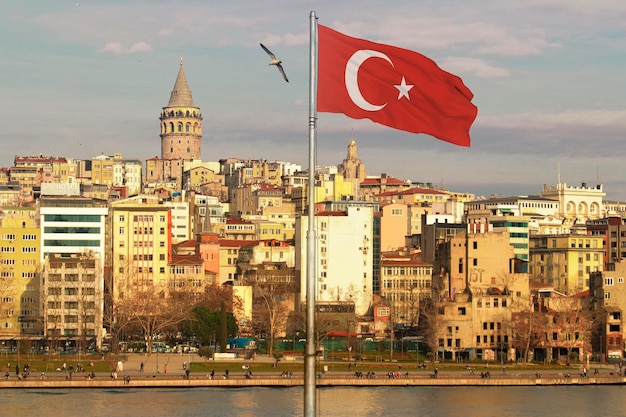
[{"x": 548, "y": 77}]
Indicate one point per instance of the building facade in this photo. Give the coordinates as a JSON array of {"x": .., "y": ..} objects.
[
  {"x": 20, "y": 308},
  {"x": 344, "y": 256},
  {"x": 72, "y": 252}
]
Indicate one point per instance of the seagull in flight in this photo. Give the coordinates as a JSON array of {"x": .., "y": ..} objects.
[{"x": 275, "y": 61}]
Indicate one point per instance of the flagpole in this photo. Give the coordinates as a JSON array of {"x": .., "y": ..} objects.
[{"x": 310, "y": 348}]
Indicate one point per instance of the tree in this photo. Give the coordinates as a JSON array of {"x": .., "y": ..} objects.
[
  {"x": 573, "y": 322},
  {"x": 271, "y": 309},
  {"x": 206, "y": 324},
  {"x": 431, "y": 319},
  {"x": 526, "y": 321},
  {"x": 215, "y": 295},
  {"x": 155, "y": 310},
  {"x": 116, "y": 316}
]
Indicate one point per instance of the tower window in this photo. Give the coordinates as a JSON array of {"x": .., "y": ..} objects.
[{"x": 180, "y": 127}]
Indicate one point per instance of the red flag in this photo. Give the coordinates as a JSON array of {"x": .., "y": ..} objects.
[{"x": 391, "y": 86}]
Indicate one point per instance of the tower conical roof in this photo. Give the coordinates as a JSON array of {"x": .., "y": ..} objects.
[{"x": 181, "y": 93}]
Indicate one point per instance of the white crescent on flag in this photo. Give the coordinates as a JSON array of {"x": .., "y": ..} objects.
[{"x": 352, "y": 85}]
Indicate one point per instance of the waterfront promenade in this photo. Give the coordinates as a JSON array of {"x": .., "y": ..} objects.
[{"x": 154, "y": 376}]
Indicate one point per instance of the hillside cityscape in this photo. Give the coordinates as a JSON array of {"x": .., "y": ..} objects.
[{"x": 119, "y": 253}]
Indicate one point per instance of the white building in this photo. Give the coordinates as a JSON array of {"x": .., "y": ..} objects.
[
  {"x": 180, "y": 220},
  {"x": 576, "y": 204},
  {"x": 344, "y": 256},
  {"x": 72, "y": 255},
  {"x": 72, "y": 225}
]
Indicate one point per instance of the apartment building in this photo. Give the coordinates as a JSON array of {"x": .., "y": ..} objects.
[
  {"x": 565, "y": 261},
  {"x": 141, "y": 239},
  {"x": 344, "y": 256},
  {"x": 72, "y": 250},
  {"x": 20, "y": 309}
]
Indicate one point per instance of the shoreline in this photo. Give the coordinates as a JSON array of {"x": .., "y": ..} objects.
[{"x": 277, "y": 381}]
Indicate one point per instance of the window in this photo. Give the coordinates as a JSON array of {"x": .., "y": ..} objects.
[
  {"x": 608, "y": 281},
  {"x": 71, "y": 291}
]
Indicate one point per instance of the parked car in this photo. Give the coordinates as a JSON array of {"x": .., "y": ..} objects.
[{"x": 185, "y": 349}]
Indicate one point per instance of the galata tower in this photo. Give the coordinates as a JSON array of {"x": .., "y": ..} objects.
[{"x": 181, "y": 123}]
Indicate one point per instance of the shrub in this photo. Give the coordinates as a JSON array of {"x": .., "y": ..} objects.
[{"x": 205, "y": 352}]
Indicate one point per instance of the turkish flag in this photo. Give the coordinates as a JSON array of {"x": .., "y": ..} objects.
[{"x": 392, "y": 86}]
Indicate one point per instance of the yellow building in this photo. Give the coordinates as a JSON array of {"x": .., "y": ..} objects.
[
  {"x": 200, "y": 175},
  {"x": 60, "y": 169},
  {"x": 477, "y": 261},
  {"x": 269, "y": 230},
  {"x": 565, "y": 261},
  {"x": 481, "y": 327},
  {"x": 405, "y": 281},
  {"x": 229, "y": 256},
  {"x": 285, "y": 215},
  {"x": 102, "y": 170},
  {"x": 334, "y": 188},
  {"x": 141, "y": 238},
  {"x": 20, "y": 315}
]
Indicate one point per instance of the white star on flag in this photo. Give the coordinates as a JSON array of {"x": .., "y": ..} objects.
[{"x": 403, "y": 89}]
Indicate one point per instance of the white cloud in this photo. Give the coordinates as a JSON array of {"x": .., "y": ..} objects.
[
  {"x": 112, "y": 48},
  {"x": 472, "y": 66},
  {"x": 140, "y": 47},
  {"x": 516, "y": 47},
  {"x": 117, "y": 48},
  {"x": 593, "y": 118},
  {"x": 582, "y": 6}
]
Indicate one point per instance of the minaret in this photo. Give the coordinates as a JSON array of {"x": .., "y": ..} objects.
[{"x": 181, "y": 123}]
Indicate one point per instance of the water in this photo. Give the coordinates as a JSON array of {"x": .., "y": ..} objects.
[{"x": 561, "y": 401}]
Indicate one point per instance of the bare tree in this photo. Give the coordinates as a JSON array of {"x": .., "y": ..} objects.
[
  {"x": 215, "y": 295},
  {"x": 573, "y": 322},
  {"x": 155, "y": 310},
  {"x": 431, "y": 319},
  {"x": 271, "y": 309}
]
